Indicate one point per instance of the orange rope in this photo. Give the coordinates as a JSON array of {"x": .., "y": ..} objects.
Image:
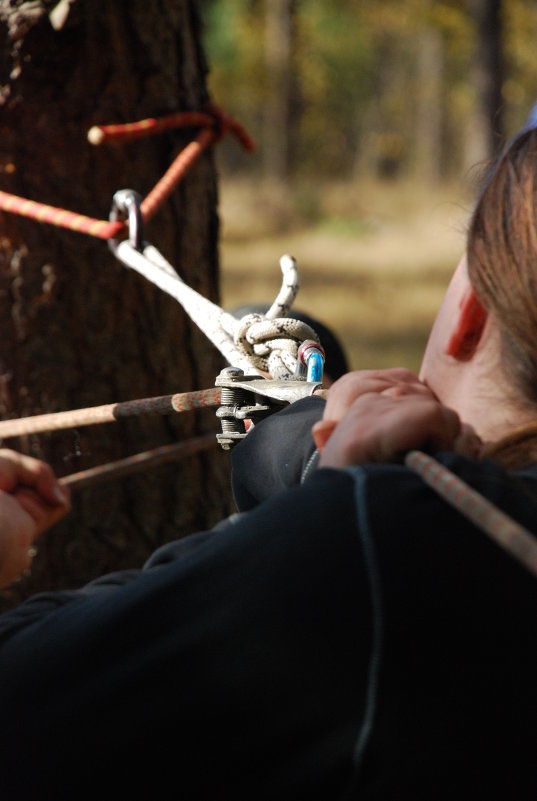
[
  {"x": 129, "y": 131},
  {"x": 216, "y": 125},
  {"x": 179, "y": 167},
  {"x": 60, "y": 217}
]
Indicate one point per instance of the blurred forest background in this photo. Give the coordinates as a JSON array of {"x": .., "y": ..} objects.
[{"x": 375, "y": 121}]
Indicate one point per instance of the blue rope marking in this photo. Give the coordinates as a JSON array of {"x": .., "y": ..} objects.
[{"x": 315, "y": 367}]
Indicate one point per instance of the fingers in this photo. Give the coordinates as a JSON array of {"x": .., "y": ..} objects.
[
  {"x": 321, "y": 432},
  {"x": 17, "y": 532},
  {"x": 43, "y": 514},
  {"x": 18, "y": 469},
  {"x": 393, "y": 382},
  {"x": 382, "y": 428},
  {"x": 36, "y": 489},
  {"x": 347, "y": 389},
  {"x": 418, "y": 423},
  {"x": 31, "y": 500}
]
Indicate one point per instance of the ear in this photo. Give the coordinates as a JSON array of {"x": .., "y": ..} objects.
[{"x": 467, "y": 329}]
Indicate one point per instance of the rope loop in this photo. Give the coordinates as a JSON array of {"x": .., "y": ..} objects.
[
  {"x": 213, "y": 124},
  {"x": 271, "y": 342},
  {"x": 272, "y": 345},
  {"x": 253, "y": 343},
  {"x": 289, "y": 288}
]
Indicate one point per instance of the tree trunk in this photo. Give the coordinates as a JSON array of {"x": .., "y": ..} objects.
[
  {"x": 76, "y": 328},
  {"x": 485, "y": 133},
  {"x": 278, "y": 56},
  {"x": 429, "y": 94}
]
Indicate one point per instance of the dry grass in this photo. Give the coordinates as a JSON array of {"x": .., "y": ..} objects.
[{"x": 374, "y": 259}]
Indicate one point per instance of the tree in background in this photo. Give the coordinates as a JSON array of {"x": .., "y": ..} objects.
[
  {"x": 78, "y": 329},
  {"x": 430, "y": 67},
  {"x": 277, "y": 124},
  {"x": 428, "y": 87},
  {"x": 485, "y": 131}
]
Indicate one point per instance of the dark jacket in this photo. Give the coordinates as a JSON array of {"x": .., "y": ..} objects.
[{"x": 350, "y": 637}]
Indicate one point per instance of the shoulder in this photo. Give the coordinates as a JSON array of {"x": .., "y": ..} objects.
[
  {"x": 414, "y": 528},
  {"x": 486, "y": 477}
]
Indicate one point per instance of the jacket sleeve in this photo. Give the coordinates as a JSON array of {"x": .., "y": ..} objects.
[
  {"x": 277, "y": 454},
  {"x": 247, "y": 646}
]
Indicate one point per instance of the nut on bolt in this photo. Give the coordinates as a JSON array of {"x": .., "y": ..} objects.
[
  {"x": 231, "y": 399},
  {"x": 228, "y": 373}
]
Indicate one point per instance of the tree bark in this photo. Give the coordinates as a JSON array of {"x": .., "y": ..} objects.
[{"x": 76, "y": 328}]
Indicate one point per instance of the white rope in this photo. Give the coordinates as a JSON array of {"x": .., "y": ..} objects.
[
  {"x": 272, "y": 345},
  {"x": 255, "y": 343}
]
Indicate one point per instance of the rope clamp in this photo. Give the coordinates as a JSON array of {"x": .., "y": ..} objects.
[
  {"x": 127, "y": 205},
  {"x": 251, "y": 397}
]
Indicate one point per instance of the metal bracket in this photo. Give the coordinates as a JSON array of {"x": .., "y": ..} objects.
[{"x": 254, "y": 398}]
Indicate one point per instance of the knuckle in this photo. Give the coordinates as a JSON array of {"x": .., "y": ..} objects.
[{"x": 43, "y": 471}]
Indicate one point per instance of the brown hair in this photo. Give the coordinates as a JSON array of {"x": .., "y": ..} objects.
[
  {"x": 502, "y": 266},
  {"x": 502, "y": 258}
]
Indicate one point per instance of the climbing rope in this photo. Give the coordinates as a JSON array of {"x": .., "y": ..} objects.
[
  {"x": 255, "y": 343},
  {"x": 217, "y": 124},
  {"x": 130, "y": 131},
  {"x": 260, "y": 343},
  {"x": 109, "y": 413},
  {"x": 214, "y": 117}
]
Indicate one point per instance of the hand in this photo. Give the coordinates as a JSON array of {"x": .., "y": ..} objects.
[
  {"x": 31, "y": 500},
  {"x": 384, "y": 427},
  {"x": 346, "y": 390}
]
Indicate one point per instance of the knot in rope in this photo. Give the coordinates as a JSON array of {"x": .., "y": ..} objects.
[
  {"x": 271, "y": 345},
  {"x": 255, "y": 343}
]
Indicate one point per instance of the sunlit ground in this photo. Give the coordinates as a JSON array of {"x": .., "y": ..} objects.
[{"x": 374, "y": 259}]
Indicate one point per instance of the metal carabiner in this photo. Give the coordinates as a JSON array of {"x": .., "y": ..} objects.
[
  {"x": 251, "y": 397},
  {"x": 127, "y": 204}
]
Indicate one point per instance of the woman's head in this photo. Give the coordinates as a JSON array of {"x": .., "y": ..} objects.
[{"x": 502, "y": 258}]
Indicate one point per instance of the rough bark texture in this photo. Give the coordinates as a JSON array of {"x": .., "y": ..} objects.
[{"x": 76, "y": 328}]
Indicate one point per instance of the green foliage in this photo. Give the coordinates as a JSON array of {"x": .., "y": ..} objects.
[
  {"x": 520, "y": 87},
  {"x": 335, "y": 63},
  {"x": 358, "y": 92},
  {"x": 233, "y": 32}
]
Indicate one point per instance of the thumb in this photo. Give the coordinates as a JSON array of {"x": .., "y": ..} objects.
[{"x": 321, "y": 432}]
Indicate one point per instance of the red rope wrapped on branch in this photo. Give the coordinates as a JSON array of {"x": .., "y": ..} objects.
[{"x": 214, "y": 123}]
